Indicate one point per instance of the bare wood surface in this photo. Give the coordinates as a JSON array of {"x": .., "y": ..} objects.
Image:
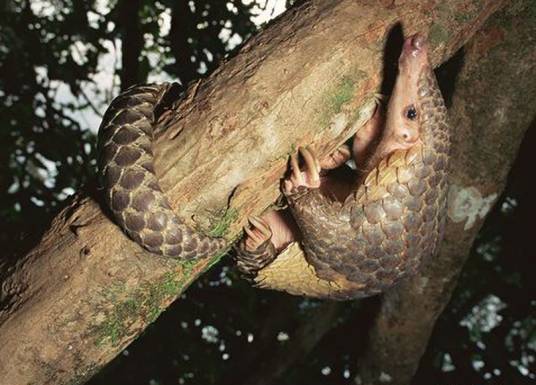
[
  {"x": 493, "y": 106},
  {"x": 86, "y": 291}
]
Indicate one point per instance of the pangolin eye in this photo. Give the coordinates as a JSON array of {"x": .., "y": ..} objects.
[{"x": 411, "y": 113}]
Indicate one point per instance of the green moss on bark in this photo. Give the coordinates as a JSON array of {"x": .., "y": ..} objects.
[
  {"x": 342, "y": 93},
  {"x": 220, "y": 228},
  {"x": 146, "y": 302}
]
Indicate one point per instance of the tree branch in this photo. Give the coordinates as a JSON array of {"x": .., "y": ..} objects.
[
  {"x": 86, "y": 291},
  {"x": 492, "y": 108}
]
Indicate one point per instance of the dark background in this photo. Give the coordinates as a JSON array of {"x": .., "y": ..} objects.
[{"x": 52, "y": 56}]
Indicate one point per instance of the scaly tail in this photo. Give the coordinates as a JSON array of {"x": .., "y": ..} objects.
[{"x": 127, "y": 175}]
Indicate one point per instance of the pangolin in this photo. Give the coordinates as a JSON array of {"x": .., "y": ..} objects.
[
  {"x": 361, "y": 242},
  {"x": 364, "y": 240}
]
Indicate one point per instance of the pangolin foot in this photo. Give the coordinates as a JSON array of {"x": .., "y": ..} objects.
[
  {"x": 255, "y": 250},
  {"x": 256, "y": 234},
  {"x": 299, "y": 180}
]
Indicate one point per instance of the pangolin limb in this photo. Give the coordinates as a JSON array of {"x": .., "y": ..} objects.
[{"x": 127, "y": 176}]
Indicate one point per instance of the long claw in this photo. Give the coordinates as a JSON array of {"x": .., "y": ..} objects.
[
  {"x": 294, "y": 166},
  {"x": 249, "y": 232},
  {"x": 296, "y": 176},
  {"x": 345, "y": 151},
  {"x": 336, "y": 158},
  {"x": 251, "y": 245},
  {"x": 261, "y": 225},
  {"x": 310, "y": 159},
  {"x": 287, "y": 186},
  {"x": 315, "y": 158},
  {"x": 312, "y": 167}
]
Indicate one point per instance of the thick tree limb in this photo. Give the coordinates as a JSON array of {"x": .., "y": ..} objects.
[
  {"x": 86, "y": 291},
  {"x": 492, "y": 107}
]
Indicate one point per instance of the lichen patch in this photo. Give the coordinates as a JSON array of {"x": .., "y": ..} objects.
[{"x": 468, "y": 204}]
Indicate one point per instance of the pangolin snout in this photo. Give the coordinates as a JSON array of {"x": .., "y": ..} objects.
[
  {"x": 417, "y": 41},
  {"x": 414, "y": 51}
]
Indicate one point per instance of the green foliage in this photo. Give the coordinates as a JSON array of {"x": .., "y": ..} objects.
[
  {"x": 201, "y": 21},
  {"x": 46, "y": 153}
]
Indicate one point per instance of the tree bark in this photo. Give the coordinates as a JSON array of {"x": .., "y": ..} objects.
[
  {"x": 493, "y": 106},
  {"x": 86, "y": 291}
]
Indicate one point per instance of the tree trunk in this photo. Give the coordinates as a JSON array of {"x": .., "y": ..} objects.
[
  {"x": 493, "y": 106},
  {"x": 131, "y": 42},
  {"x": 181, "y": 20},
  {"x": 305, "y": 337},
  {"x": 273, "y": 359},
  {"x": 86, "y": 291}
]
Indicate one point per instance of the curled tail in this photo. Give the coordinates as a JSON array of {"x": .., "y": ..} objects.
[{"x": 131, "y": 190}]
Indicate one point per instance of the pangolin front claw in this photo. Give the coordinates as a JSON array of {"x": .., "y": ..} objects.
[
  {"x": 309, "y": 178},
  {"x": 257, "y": 233},
  {"x": 255, "y": 250}
]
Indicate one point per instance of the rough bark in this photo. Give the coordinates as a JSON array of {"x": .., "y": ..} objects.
[
  {"x": 86, "y": 291},
  {"x": 493, "y": 106}
]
